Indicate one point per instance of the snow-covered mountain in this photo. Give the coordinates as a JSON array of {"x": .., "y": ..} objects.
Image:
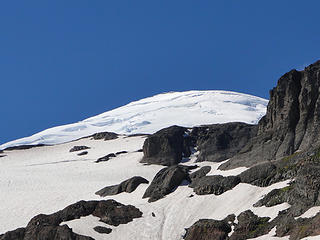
[
  {"x": 232, "y": 181},
  {"x": 151, "y": 114}
]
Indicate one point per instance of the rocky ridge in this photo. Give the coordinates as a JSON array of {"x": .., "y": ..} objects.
[{"x": 283, "y": 146}]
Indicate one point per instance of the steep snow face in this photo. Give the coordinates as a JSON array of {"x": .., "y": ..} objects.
[{"x": 151, "y": 114}]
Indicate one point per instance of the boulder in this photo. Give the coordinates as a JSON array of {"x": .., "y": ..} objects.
[
  {"x": 200, "y": 173},
  {"x": 105, "y": 136},
  {"x": 165, "y": 181},
  {"x": 114, "y": 213},
  {"x": 208, "y": 229},
  {"x": 216, "y": 184},
  {"x": 121, "y": 152},
  {"x": 275, "y": 197},
  {"x": 105, "y": 158},
  {"x": 126, "y": 186},
  {"x": 167, "y": 146},
  {"x": 78, "y": 148},
  {"x": 250, "y": 226},
  {"x": 82, "y": 153},
  {"x": 102, "y": 230},
  {"x": 259, "y": 175}
]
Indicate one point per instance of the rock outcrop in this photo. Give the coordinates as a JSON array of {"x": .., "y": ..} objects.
[
  {"x": 216, "y": 184},
  {"x": 105, "y": 158},
  {"x": 219, "y": 142},
  {"x": 113, "y": 213},
  {"x": 167, "y": 146},
  {"x": 215, "y": 143},
  {"x": 82, "y": 153},
  {"x": 292, "y": 121},
  {"x": 126, "y": 186},
  {"x": 17, "y": 234},
  {"x": 208, "y": 229},
  {"x": 78, "y": 148},
  {"x": 103, "y": 230},
  {"x": 200, "y": 173},
  {"x": 165, "y": 181},
  {"x": 250, "y": 226},
  {"x": 105, "y": 136},
  {"x": 259, "y": 175},
  {"x": 48, "y": 226}
]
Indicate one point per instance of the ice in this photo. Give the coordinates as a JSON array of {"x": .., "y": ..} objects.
[{"x": 151, "y": 114}]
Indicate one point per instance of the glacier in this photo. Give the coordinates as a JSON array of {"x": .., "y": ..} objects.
[{"x": 148, "y": 115}]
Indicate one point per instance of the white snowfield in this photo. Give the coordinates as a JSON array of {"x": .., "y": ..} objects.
[
  {"x": 151, "y": 114},
  {"x": 47, "y": 179}
]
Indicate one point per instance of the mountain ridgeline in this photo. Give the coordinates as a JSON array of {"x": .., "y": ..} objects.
[
  {"x": 292, "y": 123},
  {"x": 284, "y": 145},
  {"x": 283, "y": 149}
]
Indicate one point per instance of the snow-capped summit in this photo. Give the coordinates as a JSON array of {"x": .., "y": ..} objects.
[{"x": 151, "y": 114}]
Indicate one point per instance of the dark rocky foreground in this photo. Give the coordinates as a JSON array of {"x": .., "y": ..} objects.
[{"x": 47, "y": 227}]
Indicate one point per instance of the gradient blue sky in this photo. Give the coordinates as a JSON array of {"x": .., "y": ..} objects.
[{"x": 63, "y": 61}]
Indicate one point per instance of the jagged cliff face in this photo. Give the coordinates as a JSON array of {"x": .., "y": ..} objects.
[
  {"x": 293, "y": 113},
  {"x": 292, "y": 121}
]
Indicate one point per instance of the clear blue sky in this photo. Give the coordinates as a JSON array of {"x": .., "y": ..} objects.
[{"x": 63, "y": 61}]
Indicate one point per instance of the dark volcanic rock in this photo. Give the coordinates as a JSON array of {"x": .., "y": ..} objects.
[
  {"x": 121, "y": 152},
  {"x": 275, "y": 197},
  {"x": 114, "y": 213},
  {"x": 216, "y": 184},
  {"x": 200, "y": 173},
  {"x": 78, "y": 148},
  {"x": 75, "y": 211},
  {"x": 300, "y": 228},
  {"x": 24, "y": 147},
  {"x": 250, "y": 226},
  {"x": 106, "y": 158},
  {"x": 292, "y": 121},
  {"x": 47, "y": 227},
  {"x": 219, "y": 142},
  {"x": 82, "y": 153},
  {"x": 259, "y": 175},
  {"x": 17, "y": 234},
  {"x": 103, "y": 230},
  {"x": 165, "y": 181},
  {"x": 208, "y": 229},
  {"x": 167, "y": 146},
  {"x": 55, "y": 233},
  {"x": 105, "y": 136},
  {"x": 126, "y": 186}
]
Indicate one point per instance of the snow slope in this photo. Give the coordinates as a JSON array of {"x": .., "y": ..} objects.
[
  {"x": 151, "y": 114},
  {"x": 47, "y": 179}
]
